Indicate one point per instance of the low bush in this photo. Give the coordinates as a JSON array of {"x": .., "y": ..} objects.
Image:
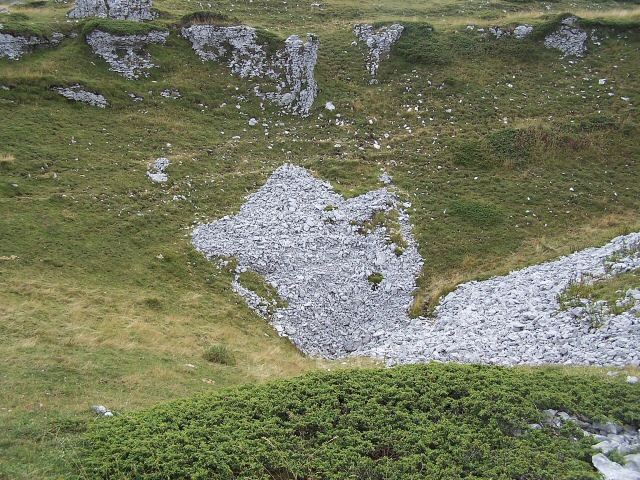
[{"x": 423, "y": 421}]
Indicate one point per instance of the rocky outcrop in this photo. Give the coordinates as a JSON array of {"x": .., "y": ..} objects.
[
  {"x": 611, "y": 437},
  {"x": 124, "y": 53},
  {"x": 288, "y": 72},
  {"x": 569, "y": 39},
  {"x": 136, "y": 10},
  {"x": 379, "y": 44},
  {"x": 310, "y": 244},
  {"x": 522, "y": 31},
  {"x": 14, "y": 46}
]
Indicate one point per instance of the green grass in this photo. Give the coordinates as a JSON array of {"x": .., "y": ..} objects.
[
  {"x": 258, "y": 285},
  {"x": 104, "y": 301}
]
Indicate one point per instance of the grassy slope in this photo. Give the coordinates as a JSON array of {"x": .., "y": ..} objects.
[{"x": 91, "y": 314}]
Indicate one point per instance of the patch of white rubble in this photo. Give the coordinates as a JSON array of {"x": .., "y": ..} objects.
[
  {"x": 568, "y": 39},
  {"x": 379, "y": 43},
  {"x": 14, "y": 46},
  {"x": 289, "y": 70},
  {"x": 520, "y": 32},
  {"x": 156, "y": 171},
  {"x": 301, "y": 237},
  {"x": 77, "y": 94},
  {"x": 123, "y": 53},
  {"x": 134, "y": 10}
]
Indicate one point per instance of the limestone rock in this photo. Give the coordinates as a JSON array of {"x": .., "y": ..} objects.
[
  {"x": 157, "y": 171},
  {"x": 124, "y": 53},
  {"x": 379, "y": 44},
  {"x": 289, "y": 71},
  {"x": 522, "y": 31},
  {"x": 136, "y": 10},
  {"x": 79, "y": 95}
]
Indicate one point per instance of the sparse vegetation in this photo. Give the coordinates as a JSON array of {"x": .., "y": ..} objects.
[
  {"x": 375, "y": 279},
  {"x": 258, "y": 285},
  {"x": 599, "y": 297}
]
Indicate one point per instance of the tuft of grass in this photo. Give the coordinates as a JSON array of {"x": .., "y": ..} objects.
[
  {"x": 219, "y": 354},
  {"x": 6, "y": 160},
  {"x": 375, "y": 279},
  {"x": 258, "y": 285},
  {"x": 600, "y": 297}
]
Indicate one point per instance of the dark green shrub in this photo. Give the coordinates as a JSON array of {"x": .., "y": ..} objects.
[{"x": 415, "y": 422}]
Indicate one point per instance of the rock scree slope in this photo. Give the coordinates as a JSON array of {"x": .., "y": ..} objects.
[
  {"x": 304, "y": 239},
  {"x": 307, "y": 242}
]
